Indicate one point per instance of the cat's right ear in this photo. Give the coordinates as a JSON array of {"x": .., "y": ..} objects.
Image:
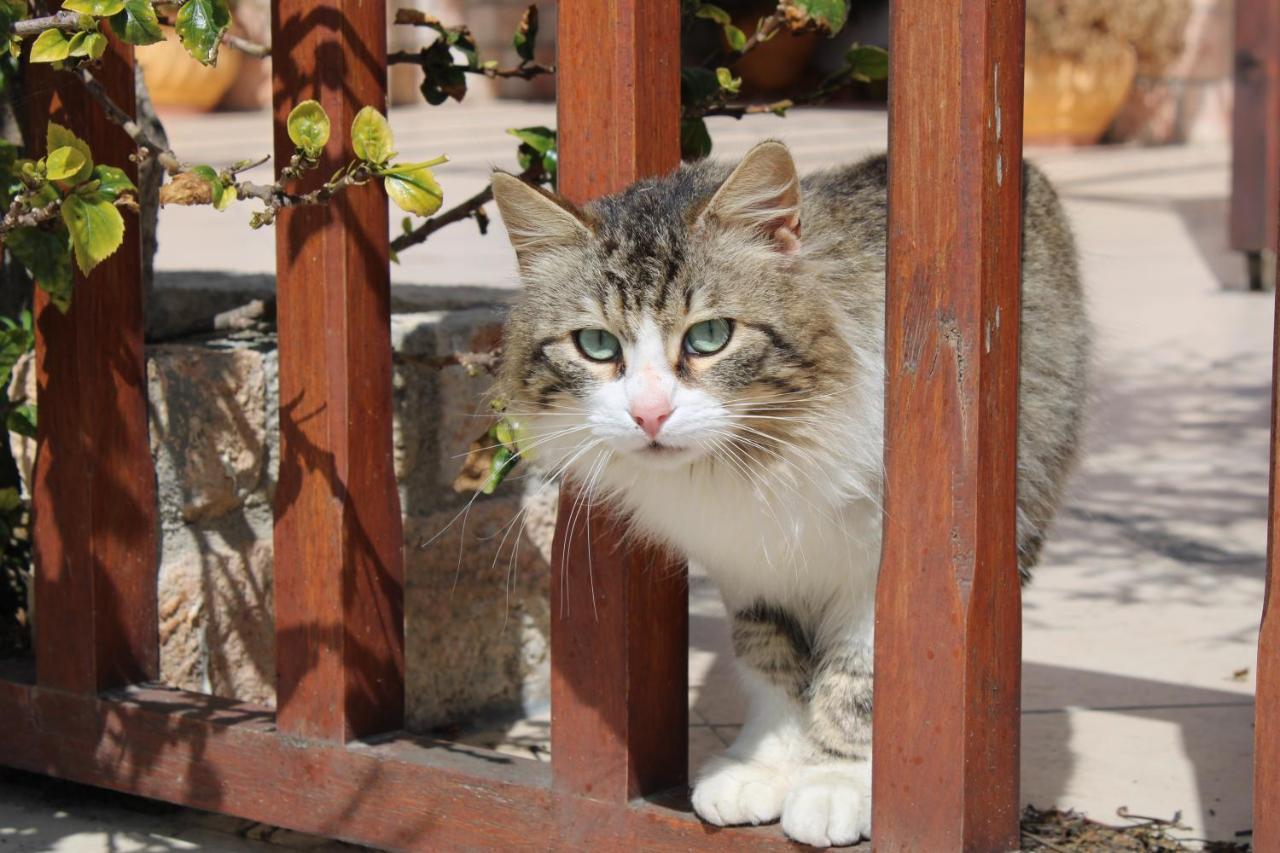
[
  {"x": 536, "y": 220},
  {"x": 763, "y": 195}
]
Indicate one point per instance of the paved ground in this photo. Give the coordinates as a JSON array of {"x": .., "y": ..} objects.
[{"x": 1140, "y": 628}]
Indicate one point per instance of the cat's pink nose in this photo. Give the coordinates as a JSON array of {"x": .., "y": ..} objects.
[{"x": 650, "y": 415}]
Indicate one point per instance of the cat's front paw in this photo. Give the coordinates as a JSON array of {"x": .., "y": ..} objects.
[
  {"x": 731, "y": 792},
  {"x": 829, "y": 805}
]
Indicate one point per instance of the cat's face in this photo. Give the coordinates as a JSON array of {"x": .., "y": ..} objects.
[{"x": 670, "y": 324}]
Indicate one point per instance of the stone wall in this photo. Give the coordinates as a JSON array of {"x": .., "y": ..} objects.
[{"x": 476, "y": 580}]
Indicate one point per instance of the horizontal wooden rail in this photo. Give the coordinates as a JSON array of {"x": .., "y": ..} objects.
[{"x": 395, "y": 793}]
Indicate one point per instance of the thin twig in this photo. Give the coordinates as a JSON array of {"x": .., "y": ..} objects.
[
  {"x": 524, "y": 71},
  {"x": 765, "y": 30},
  {"x": 1044, "y": 842},
  {"x": 457, "y": 213},
  {"x": 245, "y": 46}
]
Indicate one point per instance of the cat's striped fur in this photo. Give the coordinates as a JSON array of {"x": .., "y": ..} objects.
[{"x": 767, "y": 468}]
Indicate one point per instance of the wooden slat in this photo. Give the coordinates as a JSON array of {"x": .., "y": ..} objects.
[
  {"x": 338, "y": 536},
  {"x": 620, "y": 617},
  {"x": 400, "y": 793},
  {"x": 94, "y": 492},
  {"x": 1255, "y": 139},
  {"x": 947, "y": 614},
  {"x": 1266, "y": 749}
]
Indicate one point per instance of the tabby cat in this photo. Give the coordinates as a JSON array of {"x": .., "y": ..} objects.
[{"x": 706, "y": 350}]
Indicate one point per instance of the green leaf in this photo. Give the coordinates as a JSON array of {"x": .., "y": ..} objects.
[
  {"x": 88, "y": 44},
  {"x": 500, "y": 465},
  {"x": 526, "y": 37},
  {"x": 868, "y": 62},
  {"x": 63, "y": 163},
  {"x": 371, "y": 137},
  {"x": 10, "y": 500},
  {"x": 713, "y": 13},
  {"x": 695, "y": 141},
  {"x": 827, "y": 16},
  {"x": 57, "y": 136},
  {"x": 414, "y": 191},
  {"x": 137, "y": 23},
  {"x": 539, "y": 138},
  {"x": 96, "y": 228},
  {"x": 736, "y": 38},
  {"x": 200, "y": 25},
  {"x": 217, "y": 189},
  {"x": 14, "y": 342},
  {"x": 113, "y": 182},
  {"x": 98, "y": 8},
  {"x": 47, "y": 256},
  {"x": 697, "y": 86},
  {"x": 22, "y": 420},
  {"x": 50, "y": 46},
  {"x": 727, "y": 81},
  {"x": 308, "y": 127}
]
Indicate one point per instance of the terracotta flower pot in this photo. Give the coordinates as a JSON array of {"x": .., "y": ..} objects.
[
  {"x": 779, "y": 63},
  {"x": 1070, "y": 101},
  {"x": 176, "y": 80}
]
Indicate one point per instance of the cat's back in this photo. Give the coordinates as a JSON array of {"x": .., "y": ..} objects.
[{"x": 845, "y": 221}]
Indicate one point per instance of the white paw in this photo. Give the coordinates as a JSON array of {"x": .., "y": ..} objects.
[
  {"x": 829, "y": 806},
  {"x": 731, "y": 792}
]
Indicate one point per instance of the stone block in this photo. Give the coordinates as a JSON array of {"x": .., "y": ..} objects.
[
  {"x": 208, "y": 428},
  {"x": 476, "y": 592},
  {"x": 476, "y": 611}
]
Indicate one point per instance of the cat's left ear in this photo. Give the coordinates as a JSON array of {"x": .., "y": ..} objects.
[{"x": 762, "y": 194}]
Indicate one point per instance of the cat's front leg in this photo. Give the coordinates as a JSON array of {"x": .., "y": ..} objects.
[
  {"x": 829, "y": 801},
  {"x": 749, "y": 782}
]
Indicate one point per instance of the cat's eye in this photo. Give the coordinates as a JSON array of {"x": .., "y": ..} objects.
[
  {"x": 707, "y": 337},
  {"x": 597, "y": 344}
]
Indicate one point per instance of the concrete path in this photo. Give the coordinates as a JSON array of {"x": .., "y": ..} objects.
[{"x": 1141, "y": 626}]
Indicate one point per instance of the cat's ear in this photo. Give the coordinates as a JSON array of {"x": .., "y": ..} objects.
[
  {"x": 762, "y": 194},
  {"x": 535, "y": 219}
]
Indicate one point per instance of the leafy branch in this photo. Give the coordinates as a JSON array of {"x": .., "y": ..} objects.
[{"x": 75, "y": 32}]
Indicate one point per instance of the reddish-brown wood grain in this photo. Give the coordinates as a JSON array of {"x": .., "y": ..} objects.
[
  {"x": 619, "y": 612},
  {"x": 398, "y": 793},
  {"x": 338, "y": 537},
  {"x": 94, "y": 493},
  {"x": 1255, "y": 138},
  {"x": 1266, "y": 706},
  {"x": 947, "y": 614},
  {"x": 619, "y": 660}
]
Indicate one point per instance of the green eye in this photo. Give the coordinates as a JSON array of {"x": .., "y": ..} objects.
[
  {"x": 707, "y": 337},
  {"x": 597, "y": 344}
]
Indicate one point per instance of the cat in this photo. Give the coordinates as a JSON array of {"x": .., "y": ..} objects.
[{"x": 706, "y": 350}]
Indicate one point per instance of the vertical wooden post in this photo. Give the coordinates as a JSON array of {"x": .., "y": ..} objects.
[
  {"x": 338, "y": 537},
  {"x": 1266, "y": 705},
  {"x": 948, "y": 638},
  {"x": 619, "y": 642},
  {"x": 1255, "y": 136},
  {"x": 94, "y": 493}
]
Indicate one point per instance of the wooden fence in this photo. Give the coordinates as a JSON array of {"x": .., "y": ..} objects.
[{"x": 332, "y": 759}]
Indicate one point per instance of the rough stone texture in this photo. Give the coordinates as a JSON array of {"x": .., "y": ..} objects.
[
  {"x": 208, "y": 427},
  {"x": 477, "y": 637},
  {"x": 476, "y": 611}
]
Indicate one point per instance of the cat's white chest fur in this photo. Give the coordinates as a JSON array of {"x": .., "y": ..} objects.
[{"x": 775, "y": 541}]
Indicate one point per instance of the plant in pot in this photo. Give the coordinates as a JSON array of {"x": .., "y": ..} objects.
[{"x": 1082, "y": 56}]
